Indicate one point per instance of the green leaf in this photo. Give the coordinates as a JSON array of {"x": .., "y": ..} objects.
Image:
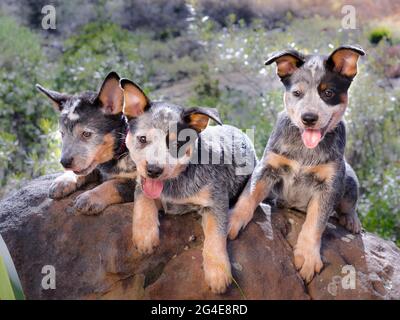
[
  {"x": 6, "y": 290},
  {"x": 10, "y": 285}
]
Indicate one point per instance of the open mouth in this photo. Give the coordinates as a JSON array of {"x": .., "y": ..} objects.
[
  {"x": 152, "y": 188},
  {"x": 312, "y": 137}
]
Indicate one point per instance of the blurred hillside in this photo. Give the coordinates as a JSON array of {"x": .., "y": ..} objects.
[
  {"x": 201, "y": 53},
  {"x": 174, "y": 16}
]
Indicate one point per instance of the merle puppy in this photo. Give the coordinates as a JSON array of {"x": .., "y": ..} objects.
[
  {"x": 93, "y": 131},
  {"x": 184, "y": 162},
  {"x": 303, "y": 165}
]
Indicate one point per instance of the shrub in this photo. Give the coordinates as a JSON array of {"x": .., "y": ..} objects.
[
  {"x": 22, "y": 109},
  {"x": 96, "y": 50},
  {"x": 378, "y": 34}
]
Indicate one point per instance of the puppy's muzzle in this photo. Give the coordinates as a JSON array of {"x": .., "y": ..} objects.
[
  {"x": 66, "y": 162},
  {"x": 154, "y": 171},
  {"x": 309, "y": 119}
]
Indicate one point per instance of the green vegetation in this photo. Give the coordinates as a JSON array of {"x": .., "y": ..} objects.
[
  {"x": 378, "y": 34},
  {"x": 222, "y": 67},
  {"x": 10, "y": 288},
  {"x": 26, "y": 147}
]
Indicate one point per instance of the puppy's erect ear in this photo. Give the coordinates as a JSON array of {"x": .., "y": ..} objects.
[
  {"x": 199, "y": 117},
  {"x": 344, "y": 60},
  {"x": 287, "y": 62},
  {"x": 57, "y": 98},
  {"x": 110, "y": 94},
  {"x": 135, "y": 101}
]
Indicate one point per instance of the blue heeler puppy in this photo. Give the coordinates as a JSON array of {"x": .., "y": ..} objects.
[
  {"x": 183, "y": 162},
  {"x": 93, "y": 131},
  {"x": 303, "y": 165}
]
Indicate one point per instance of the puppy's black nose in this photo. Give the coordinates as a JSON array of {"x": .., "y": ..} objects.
[
  {"x": 309, "y": 118},
  {"x": 66, "y": 162},
  {"x": 154, "y": 171}
]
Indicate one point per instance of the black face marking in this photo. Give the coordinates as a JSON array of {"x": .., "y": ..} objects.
[
  {"x": 287, "y": 82},
  {"x": 331, "y": 85},
  {"x": 175, "y": 145},
  {"x": 132, "y": 124},
  {"x": 334, "y": 83}
]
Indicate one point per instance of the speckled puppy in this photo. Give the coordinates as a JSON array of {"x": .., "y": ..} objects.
[
  {"x": 303, "y": 166},
  {"x": 183, "y": 162},
  {"x": 93, "y": 131}
]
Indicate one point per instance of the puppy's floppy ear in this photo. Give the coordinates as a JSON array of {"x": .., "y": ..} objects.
[
  {"x": 57, "y": 98},
  {"x": 110, "y": 94},
  {"x": 135, "y": 101},
  {"x": 287, "y": 62},
  {"x": 199, "y": 117},
  {"x": 344, "y": 60}
]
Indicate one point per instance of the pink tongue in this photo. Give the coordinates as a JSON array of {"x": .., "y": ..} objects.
[
  {"x": 152, "y": 188},
  {"x": 311, "y": 138}
]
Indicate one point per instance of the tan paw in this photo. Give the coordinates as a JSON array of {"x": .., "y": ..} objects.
[
  {"x": 308, "y": 261},
  {"x": 62, "y": 186},
  {"x": 89, "y": 203},
  {"x": 238, "y": 221},
  {"x": 145, "y": 239},
  {"x": 351, "y": 222},
  {"x": 217, "y": 274}
]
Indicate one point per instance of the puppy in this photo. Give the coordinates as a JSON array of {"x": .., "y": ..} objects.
[
  {"x": 303, "y": 165},
  {"x": 181, "y": 161},
  {"x": 93, "y": 131}
]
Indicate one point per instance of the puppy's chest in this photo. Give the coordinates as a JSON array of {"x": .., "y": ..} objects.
[
  {"x": 293, "y": 187},
  {"x": 297, "y": 183},
  {"x": 186, "y": 201}
]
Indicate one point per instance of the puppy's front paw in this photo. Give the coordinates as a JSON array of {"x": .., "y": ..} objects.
[
  {"x": 238, "y": 220},
  {"x": 217, "y": 274},
  {"x": 89, "y": 203},
  {"x": 351, "y": 222},
  {"x": 145, "y": 239},
  {"x": 62, "y": 187},
  {"x": 307, "y": 260}
]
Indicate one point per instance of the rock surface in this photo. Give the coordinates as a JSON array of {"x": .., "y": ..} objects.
[{"x": 94, "y": 259}]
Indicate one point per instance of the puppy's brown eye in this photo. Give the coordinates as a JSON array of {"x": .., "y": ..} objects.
[
  {"x": 329, "y": 93},
  {"x": 62, "y": 134},
  {"x": 296, "y": 93},
  {"x": 142, "y": 139},
  {"x": 86, "y": 134}
]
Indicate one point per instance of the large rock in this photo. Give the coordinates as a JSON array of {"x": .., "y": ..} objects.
[{"x": 94, "y": 259}]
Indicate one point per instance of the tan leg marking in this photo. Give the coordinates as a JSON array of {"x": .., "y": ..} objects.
[
  {"x": 145, "y": 224},
  {"x": 277, "y": 161},
  {"x": 217, "y": 268},
  {"x": 244, "y": 208},
  {"x": 202, "y": 198},
  {"x": 97, "y": 199},
  {"x": 323, "y": 172},
  {"x": 248, "y": 201},
  {"x": 307, "y": 256}
]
